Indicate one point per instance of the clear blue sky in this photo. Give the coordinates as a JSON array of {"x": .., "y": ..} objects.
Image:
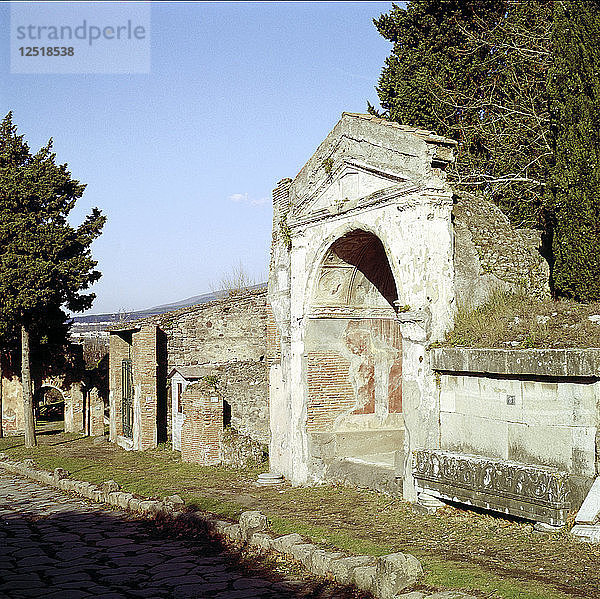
[{"x": 183, "y": 160}]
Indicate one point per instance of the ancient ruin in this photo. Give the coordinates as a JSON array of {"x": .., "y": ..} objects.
[
  {"x": 338, "y": 369},
  {"x": 372, "y": 253},
  {"x": 188, "y": 374},
  {"x": 80, "y": 392}
]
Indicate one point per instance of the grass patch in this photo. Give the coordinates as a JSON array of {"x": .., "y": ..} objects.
[
  {"x": 516, "y": 319},
  {"x": 486, "y": 555}
]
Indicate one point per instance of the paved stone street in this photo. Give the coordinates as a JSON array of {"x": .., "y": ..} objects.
[{"x": 55, "y": 546}]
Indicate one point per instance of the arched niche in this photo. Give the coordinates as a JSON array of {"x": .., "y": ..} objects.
[{"x": 353, "y": 346}]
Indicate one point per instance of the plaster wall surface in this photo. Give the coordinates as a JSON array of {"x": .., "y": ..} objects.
[{"x": 375, "y": 179}]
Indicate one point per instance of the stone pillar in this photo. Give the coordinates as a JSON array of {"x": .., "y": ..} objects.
[
  {"x": 202, "y": 430},
  {"x": 278, "y": 333},
  {"x": 145, "y": 380},
  {"x": 119, "y": 350},
  {"x": 74, "y": 416},
  {"x": 96, "y": 412},
  {"x": 419, "y": 393}
]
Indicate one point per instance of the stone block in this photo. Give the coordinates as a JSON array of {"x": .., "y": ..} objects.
[
  {"x": 252, "y": 522},
  {"x": 65, "y": 484},
  {"x": 60, "y": 473},
  {"x": 134, "y": 504},
  {"x": 113, "y": 498},
  {"x": 219, "y": 526},
  {"x": 533, "y": 492},
  {"x": 150, "y": 508},
  {"x": 285, "y": 542},
  {"x": 263, "y": 540},
  {"x": 322, "y": 561},
  {"x": 364, "y": 577},
  {"x": 343, "y": 569},
  {"x": 302, "y": 552},
  {"x": 110, "y": 486},
  {"x": 47, "y": 478},
  {"x": 586, "y": 532},
  {"x": 98, "y": 496},
  {"x": 123, "y": 500},
  {"x": 174, "y": 500},
  {"x": 394, "y": 573},
  {"x": 471, "y": 434},
  {"x": 589, "y": 512},
  {"x": 233, "y": 532}
]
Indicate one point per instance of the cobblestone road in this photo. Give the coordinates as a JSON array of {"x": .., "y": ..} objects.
[{"x": 55, "y": 546}]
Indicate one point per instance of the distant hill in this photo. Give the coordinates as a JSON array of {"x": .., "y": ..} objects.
[{"x": 99, "y": 321}]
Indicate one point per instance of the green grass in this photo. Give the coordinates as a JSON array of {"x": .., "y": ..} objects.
[{"x": 479, "y": 553}]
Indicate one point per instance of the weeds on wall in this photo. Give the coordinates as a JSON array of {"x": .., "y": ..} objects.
[
  {"x": 285, "y": 233},
  {"x": 515, "y": 319}
]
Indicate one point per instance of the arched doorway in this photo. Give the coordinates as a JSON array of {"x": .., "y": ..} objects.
[
  {"x": 49, "y": 406},
  {"x": 354, "y": 347}
]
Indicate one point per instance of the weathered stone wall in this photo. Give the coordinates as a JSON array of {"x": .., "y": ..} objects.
[
  {"x": 537, "y": 407},
  {"x": 227, "y": 330},
  {"x": 227, "y": 337},
  {"x": 490, "y": 253},
  {"x": 245, "y": 388}
]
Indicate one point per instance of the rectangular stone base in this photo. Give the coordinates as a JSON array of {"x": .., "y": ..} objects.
[{"x": 536, "y": 493}]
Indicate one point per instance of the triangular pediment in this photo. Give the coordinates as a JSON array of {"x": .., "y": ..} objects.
[{"x": 344, "y": 188}]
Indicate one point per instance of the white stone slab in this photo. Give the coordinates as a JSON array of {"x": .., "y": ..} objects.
[
  {"x": 586, "y": 532},
  {"x": 590, "y": 508}
]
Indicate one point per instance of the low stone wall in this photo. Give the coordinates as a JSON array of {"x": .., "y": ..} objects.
[
  {"x": 385, "y": 577},
  {"x": 533, "y": 407}
]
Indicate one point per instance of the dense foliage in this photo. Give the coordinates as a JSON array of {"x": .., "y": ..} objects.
[
  {"x": 45, "y": 263},
  {"x": 574, "y": 191},
  {"x": 475, "y": 71},
  {"x": 517, "y": 84}
]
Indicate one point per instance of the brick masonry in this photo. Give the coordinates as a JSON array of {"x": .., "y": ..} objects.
[{"x": 202, "y": 429}]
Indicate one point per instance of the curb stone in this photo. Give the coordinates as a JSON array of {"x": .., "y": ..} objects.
[{"x": 385, "y": 577}]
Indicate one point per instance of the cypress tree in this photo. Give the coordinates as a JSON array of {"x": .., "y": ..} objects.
[
  {"x": 574, "y": 190},
  {"x": 45, "y": 263}
]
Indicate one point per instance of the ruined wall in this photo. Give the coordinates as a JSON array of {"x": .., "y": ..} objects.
[
  {"x": 226, "y": 336},
  {"x": 537, "y": 407},
  {"x": 490, "y": 253},
  {"x": 231, "y": 329},
  {"x": 202, "y": 428}
]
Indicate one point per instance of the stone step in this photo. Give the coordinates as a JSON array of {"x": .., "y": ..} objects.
[
  {"x": 363, "y": 442},
  {"x": 365, "y": 473}
]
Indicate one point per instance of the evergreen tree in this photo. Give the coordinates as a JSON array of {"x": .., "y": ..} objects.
[
  {"x": 475, "y": 71},
  {"x": 45, "y": 263},
  {"x": 574, "y": 191}
]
